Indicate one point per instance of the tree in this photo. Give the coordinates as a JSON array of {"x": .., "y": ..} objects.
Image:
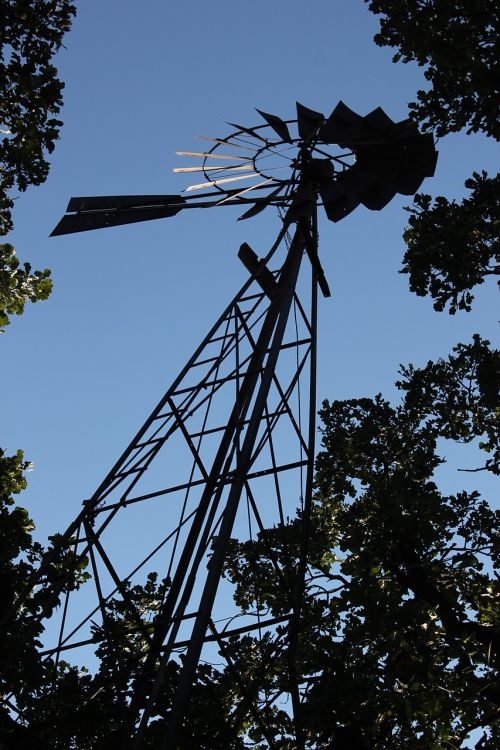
[
  {"x": 30, "y": 93},
  {"x": 60, "y": 706},
  {"x": 30, "y": 97},
  {"x": 457, "y": 42},
  {"x": 69, "y": 707},
  {"x": 451, "y": 247},
  {"x": 23, "y": 671}
]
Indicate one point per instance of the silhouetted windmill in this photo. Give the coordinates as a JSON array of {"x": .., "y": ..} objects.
[{"x": 229, "y": 449}]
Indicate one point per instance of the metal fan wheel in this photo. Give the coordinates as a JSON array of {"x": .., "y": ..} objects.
[{"x": 273, "y": 164}]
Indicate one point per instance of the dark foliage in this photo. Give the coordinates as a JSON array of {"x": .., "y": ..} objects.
[
  {"x": 457, "y": 41},
  {"x": 22, "y": 671},
  {"x": 453, "y": 247},
  {"x": 401, "y": 630},
  {"x": 30, "y": 93}
]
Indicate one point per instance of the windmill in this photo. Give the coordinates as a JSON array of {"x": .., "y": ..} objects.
[{"x": 229, "y": 449}]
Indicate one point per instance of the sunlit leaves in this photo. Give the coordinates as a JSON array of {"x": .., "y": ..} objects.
[{"x": 19, "y": 285}]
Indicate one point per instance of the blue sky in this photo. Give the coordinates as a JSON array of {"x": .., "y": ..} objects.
[{"x": 81, "y": 371}]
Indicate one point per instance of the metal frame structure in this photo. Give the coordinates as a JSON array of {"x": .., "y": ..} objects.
[{"x": 237, "y": 420}]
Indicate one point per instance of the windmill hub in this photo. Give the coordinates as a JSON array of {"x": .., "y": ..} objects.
[{"x": 318, "y": 171}]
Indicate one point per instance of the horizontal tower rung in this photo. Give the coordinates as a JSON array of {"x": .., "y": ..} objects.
[
  {"x": 123, "y": 474},
  {"x": 164, "y": 415},
  {"x": 288, "y": 345},
  {"x": 179, "y": 644},
  {"x": 217, "y": 381},
  {"x": 237, "y": 631},
  {"x": 205, "y": 361},
  {"x": 252, "y": 296},
  {"x": 197, "y": 483},
  {"x": 153, "y": 441},
  {"x": 88, "y": 641},
  {"x": 240, "y": 424}
]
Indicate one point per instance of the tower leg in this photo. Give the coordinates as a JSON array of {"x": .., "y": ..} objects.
[{"x": 276, "y": 322}]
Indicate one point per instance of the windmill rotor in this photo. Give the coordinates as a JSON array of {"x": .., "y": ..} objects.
[{"x": 277, "y": 164}]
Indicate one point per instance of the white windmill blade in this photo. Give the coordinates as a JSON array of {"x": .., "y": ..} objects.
[
  {"x": 242, "y": 192},
  {"x": 221, "y": 140},
  {"x": 220, "y": 182},
  {"x": 201, "y": 154},
  {"x": 242, "y": 168}
]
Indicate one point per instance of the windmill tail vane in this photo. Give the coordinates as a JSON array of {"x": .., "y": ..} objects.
[{"x": 227, "y": 454}]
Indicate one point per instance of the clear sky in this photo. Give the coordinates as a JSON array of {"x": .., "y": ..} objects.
[{"x": 81, "y": 371}]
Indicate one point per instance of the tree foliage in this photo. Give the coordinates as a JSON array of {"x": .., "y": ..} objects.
[
  {"x": 401, "y": 627},
  {"x": 22, "y": 670},
  {"x": 18, "y": 285},
  {"x": 61, "y": 707},
  {"x": 453, "y": 247},
  {"x": 457, "y": 42},
  {"x": 30, "y": 93}
]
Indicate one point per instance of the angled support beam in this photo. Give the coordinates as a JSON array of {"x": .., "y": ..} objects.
[{"x": 274, "y": 327}]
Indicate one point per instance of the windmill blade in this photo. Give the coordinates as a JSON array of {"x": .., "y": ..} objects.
[
  {"x": 336, "y": 203},
  {"x": 341, "y": 208},
  {"x": 105, "y": 202},
  {"x": 260, "y": 205},
  {"x": 342, "y": 125},
  {"x": 278, "y": 125},
  {"x": 243, "y": 168},
  {"x": 355, "y": 181},
  {"x": 377, "y": 197},
  {"x": 308, "y": 121},
  {"x": 401, "y": 164},
  {"x": 250, "y": 131},
  {"x": 221, "y": 182},
  {"x": 426, "y": 154},
  {"x": 100, "y": 212},
  {"x": 378, "y": 119},
  {"x": 347, "y": 128},
  {"x": 246, "y": 190},
  {"x": 408, "y": 181},
  {"x": 202, "y": 155},
  {"x": 420, "y": 146},
  {"x": 405, "y": 129},
  {"x": 225, "y": 141}
]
